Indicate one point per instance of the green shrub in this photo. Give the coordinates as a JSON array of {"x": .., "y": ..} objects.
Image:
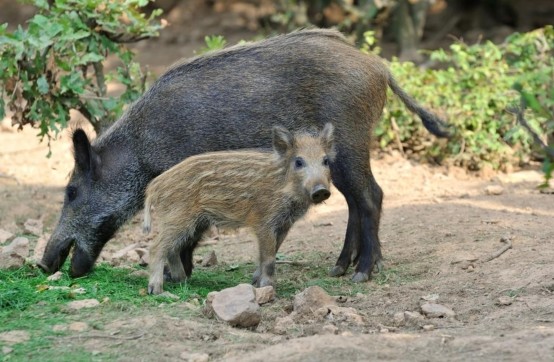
[
  {"x": 57, "y": 63},
  {"x": 472, "y": 90}
]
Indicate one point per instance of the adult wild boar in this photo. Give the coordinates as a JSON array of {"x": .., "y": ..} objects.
[
  {"x": 226, "y": 100},
  {"x": 264, "y": 191}
]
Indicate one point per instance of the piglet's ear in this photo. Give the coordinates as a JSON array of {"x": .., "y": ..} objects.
[
  {"x": 328, "y": 138},
  {"x": 86, "y": 160},
  {"x": 282, "y": 140}
]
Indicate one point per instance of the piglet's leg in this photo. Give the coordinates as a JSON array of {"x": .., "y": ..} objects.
[{"x": 265, "y": 273}]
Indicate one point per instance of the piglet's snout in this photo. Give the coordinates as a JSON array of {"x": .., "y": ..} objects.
[{"x": 320, "y": 193}]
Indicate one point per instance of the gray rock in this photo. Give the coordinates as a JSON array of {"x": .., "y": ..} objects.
[
  {"x": 504, "y": 300},
  {"x": 5, "y": 236},
  {"x": 413, "y": 318},
  {"x": 195, "y": 357},
  {"x": 13, "y": 255},
  {"x": 494, "y": 190},
  {"x": 399, "y": 319},
  {"x": 40, "y": 246},
  {"x": 312, "y": 299},
  {"x": 433, "y": 310},
  {"x": 265, "y": 294},
  {"x": 33, "y": 226},
  {"x": 237, "y": 306}
]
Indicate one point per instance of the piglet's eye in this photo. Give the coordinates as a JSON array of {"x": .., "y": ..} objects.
[
  {"x": 298, "y": 163},
  {"x": 325, "y": 161}
]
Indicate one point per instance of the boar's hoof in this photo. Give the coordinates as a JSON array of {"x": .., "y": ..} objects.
[
  {"x": 379, "y": 267},
  {"x": 43, "y": 266},
  {"x": 337, "y": 271},
  {"x": 360, "y": 277}
]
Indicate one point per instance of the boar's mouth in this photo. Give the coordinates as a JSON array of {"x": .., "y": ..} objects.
[{"x": 54, "y": 257}]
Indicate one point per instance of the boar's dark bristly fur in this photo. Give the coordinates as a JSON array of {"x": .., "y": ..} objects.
[
  {"x": 229, "y": 100},
  {"x": 230, "y": 189}
]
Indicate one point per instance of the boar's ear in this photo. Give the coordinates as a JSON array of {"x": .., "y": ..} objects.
[
  {"x": 85, "y": 157},
  {"x": 282, "y": 140},
  {"x": 328, "y": 138}
]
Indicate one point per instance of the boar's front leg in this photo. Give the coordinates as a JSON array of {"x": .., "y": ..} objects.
[{"x": 267, "y": 243}]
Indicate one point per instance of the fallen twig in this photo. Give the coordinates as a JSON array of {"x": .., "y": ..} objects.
[
  {"x": 500, "y": 251},
  {"x": 291, "y": 262},
  {"x": 128, "y": 338},
  {"x": 518, "y": 111}
]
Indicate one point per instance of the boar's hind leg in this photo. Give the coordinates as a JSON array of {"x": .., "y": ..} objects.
[{"x": 364, "y": 197}]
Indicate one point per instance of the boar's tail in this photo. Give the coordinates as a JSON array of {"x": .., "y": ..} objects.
[
  {"x": 434, "y": 124},
  {"x": 147, "y": 223}
]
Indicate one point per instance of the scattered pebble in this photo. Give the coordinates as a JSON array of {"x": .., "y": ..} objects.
[
  {"x": 56, "y": 276},
  {"x": 504, "y": 300},
  {"x": 470, "y": 268},
  {"x": 433, "y": 310},
  {"x": 311, "y": 299},
  {"x": 59, "y": 327},
  {"x": 195, "y": 357},
  {"x": 399, "y": 319},
  {"x": 428, "y": 327},
  {"x": 33, "y": 226},
  {"x": 169, "y": 295},
  {"x": 282, "y": 324},
  {"x": 40, "y": 246},
  {"x": 7, "y": 350},
  {"x": 430, "y": 297},
  {"x": 494, "y": 190},
  {"x": 84, "y": 303},
  {"x": 384, "y": 330}
]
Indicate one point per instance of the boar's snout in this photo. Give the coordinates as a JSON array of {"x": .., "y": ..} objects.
[
  {"x": 319, "y": 194},
  {"x": 54, "y": 255}
]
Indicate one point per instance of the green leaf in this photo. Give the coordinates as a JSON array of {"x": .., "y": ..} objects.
[{"x": 42, "y": 85}]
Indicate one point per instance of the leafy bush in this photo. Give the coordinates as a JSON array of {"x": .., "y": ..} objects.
[
  {"x": 473, "y": 90},
  {"x": 57, "y": 63}
]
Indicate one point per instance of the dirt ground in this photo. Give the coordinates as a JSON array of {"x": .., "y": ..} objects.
[{"x": 439, "y": 227}]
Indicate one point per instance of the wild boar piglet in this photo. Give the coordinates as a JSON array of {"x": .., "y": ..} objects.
[{"x": 262, "y": 190}]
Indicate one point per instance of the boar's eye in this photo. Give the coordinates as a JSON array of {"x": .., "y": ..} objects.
[
  {"x": 71, "y": 193},
  {"x": 325, "y": 161},
  {"x": 298, "y": 163}
]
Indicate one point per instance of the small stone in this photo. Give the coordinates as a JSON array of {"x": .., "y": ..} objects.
[
  {"x": 13, "y": 337},
  {"x": 78, "y": 326},
  {"x": 311, "y": 299},
  {"x": 412, "y": 317},
  {"x": 33, "y": 226},
  {"x": 83, "y": 303},
  {"x": 237, "y": 306},
  {"x": 494, "y": 190},
  {"x": 13, "y": 255},
  {"x": 384, "y": 330},
  {"x": 347, "y": 314},
  {"x": 209, "y": 260},
  {"x": 428, "y": 327},
  {"x": 470, "y": 268},
  {"x": 504, "y": 300},
  {"x": 433, "y": 310},
  {"x": 7, "y": 350},
  {"x": 195, "y": 357},
  {"x": 399, "y": 319},
  {"x": 430, "y": 297},
  {"x": 59, "y": 327},
  {"x": 282, "y": 324},
  {"x": 265, "y": 294},
  {"x": 132, "y": 256},
  {"x": 5, "y": 236},
  {"x": 56, "y": 276},
  {"x": 329, "y": 329}
]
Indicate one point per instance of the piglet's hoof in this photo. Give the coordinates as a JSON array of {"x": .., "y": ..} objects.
[
  {"x": 337, "y": 271},
  {"x": 154, "y": 289},
  {"x": 360, "y": 277},
  {"x": 379, "y": 267}
]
